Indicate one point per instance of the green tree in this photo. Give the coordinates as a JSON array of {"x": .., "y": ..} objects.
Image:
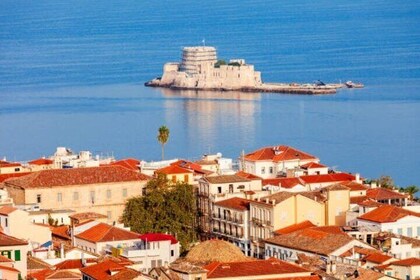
[
  {"x": 411, "y": 190},
  {"x": 386, "y": 182},
  {"x": 163, "y": 137},
  {"x": 165, "y": 207}
]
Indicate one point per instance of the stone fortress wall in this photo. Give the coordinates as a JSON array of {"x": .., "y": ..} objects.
[{"x": 197, "y": 70}]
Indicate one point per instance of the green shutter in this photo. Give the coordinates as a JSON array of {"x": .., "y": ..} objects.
[{"x": 17, "y": 255}]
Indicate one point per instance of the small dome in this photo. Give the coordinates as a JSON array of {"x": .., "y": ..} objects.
[{"x": 215, "y": 251}]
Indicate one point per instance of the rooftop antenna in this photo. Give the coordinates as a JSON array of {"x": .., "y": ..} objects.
[{"x": 204, "y": 42}]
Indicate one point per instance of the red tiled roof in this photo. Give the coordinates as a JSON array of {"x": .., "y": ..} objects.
[
  {"x": 271, "y": 266},
  {"x": 63, "y": 274},
  {"x": 72, "y": 264},
  {"x": 152, "y": 237},
  {"x": 76, "y": 176},
  {"x": 130, "y": 163},
  {"x": 173, "y": 169},
  {"x": 9, "y": 164},
  {"x": 369, "y": 203},
  {"x": 6, "y": 210},
  {"x": 41, "y": 161},
  {"x": 283, "y": 153},
  {"x": 325, "y": 178},
  {"x": 354, "y": 186},
  {"x": 4, "y": 177},
  {"x": 295, "y": 227},
  {"x": 61, "y": 231},
  {"x": 192, "y": 166},
  {"x": 407, "y": 262},
  {"x": 103, "y": 232},
  {"x": 87, "y": 216},
  {"x": 8, "y": 268},
  {"x": 41, "y": 274},
  {"x": 234, "y": 203},
  {"x": 102, "y": 271},
  {"x": 387, "y": 214},
  {"x": 382, "y": 194},
  {"x": 314, "y": 240},
  {"x": 4, "y": 259},
  {"x": 377, "y": 258},
  {"x": 7, "y": 240},
  {"x": 248, "y": 175},
  {"x": 287, "y": 183},
  {"x": 313, "y": 165},
  {"x": 275, "y": 198}
]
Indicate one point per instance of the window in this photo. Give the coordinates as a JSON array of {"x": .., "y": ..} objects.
[
  {"x": 262, "y": 170},
  {"x": 109, "y": 214},
  {"x": 271, "y": 170},
  {"x": 399, "y": 231},
  {"x": 418, "y": 231},
  {"x": 410, "y": 232},
  {"x": 38, "y": 198},
  {"x": 6, "y": 222},
  {"x": 92, "y": 197},
  {"x": 124, "y": 192},
  {"x": 219, "y": 189},
  {"x": 108, "y": 194},
  {"x": 230, "y": 188},
  {"x": 186, "y": 178},
  {"x": 173, "y": 179},
  {"x": 159, "y": 263},
  {"x": 59, "y": 197},
  {"x": 75, "y": 196},
  {"x": 7, "y": 254},
  {"x": 17, "y": 255},
  {"x": 153, "y": 263},
  {"x": 17, "y": 169},
  {"x": 172, "y": 253}
]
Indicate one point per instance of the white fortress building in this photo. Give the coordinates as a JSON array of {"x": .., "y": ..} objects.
[{"x": 200, "y": 69}]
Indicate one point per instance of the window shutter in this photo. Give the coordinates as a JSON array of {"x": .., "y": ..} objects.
[{"x": 17, "y": 255}]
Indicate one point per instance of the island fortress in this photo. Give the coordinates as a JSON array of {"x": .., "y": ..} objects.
[{"x": 201, "y": 70}]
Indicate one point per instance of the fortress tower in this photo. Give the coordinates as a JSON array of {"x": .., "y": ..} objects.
[{"x": 196, "y": 58}]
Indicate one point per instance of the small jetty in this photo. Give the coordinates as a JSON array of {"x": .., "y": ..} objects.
[{"x": 200, "y": 69}]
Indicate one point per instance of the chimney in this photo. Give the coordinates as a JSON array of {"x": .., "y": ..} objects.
[
  {"x": 357, "y": 175},
  {"x": 273, "y": 202},
  {"x": 62, "y": 251}
]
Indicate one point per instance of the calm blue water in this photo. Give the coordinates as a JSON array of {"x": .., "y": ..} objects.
[{"x": 72, "y": 73}]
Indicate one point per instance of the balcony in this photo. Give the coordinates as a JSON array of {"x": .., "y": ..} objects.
[{"x": 135, "y": 251}]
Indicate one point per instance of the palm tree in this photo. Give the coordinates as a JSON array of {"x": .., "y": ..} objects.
[
  {"x": 163, "y": 137},
  {"x": 411, "y": 190}
]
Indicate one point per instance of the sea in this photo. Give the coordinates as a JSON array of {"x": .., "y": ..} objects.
[{"x": 72, "y": 74}]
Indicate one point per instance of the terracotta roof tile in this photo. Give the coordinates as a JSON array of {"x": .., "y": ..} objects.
[
  {"x": 102, "y": 271},
  {"x": 325, "y": 178},
  {"x": 41, "y": 161},
  {"x": 196, "y": 168},
  {"x": 287, "y": 183},
  {"x": 248, "y": 175},
  {"x": 354, "y": 186},
  {"x": 173, "y": 169},
  {"x": 295, "y": 227},
  {"x": 10, "y": 164},
  {"x": 103, "y": 232},
  {"x": 387, "y": 214},
  {"x": 4, "y": 177},
  {"x": 224, "y": 179},
  {"x": 407, "y": 262},
  {"x": 130, "y": 163},
  {"x": 36, "y": 264},
  {"x": 278, "y": 153},
  {"x": 252, "y": 268},
  {"x": 312, "y": 240},
  {"x": 7, "y": 240},
  {"x": 313, "y": 165},
  {"x": 72, "y": 264},
  {"x": 384, "y": 194},
  {"x": 6, "y": 210},
  {"x": 377, "y": 258},
  {"x": 5, "y": 259},
  {"x": 275, "y": 198},
  {"x": 236, "y": 203},
  {"x": 151, "y": 237},
  {"x": 76, "y": 176},
  {"x": 64, "y": 274},
  {"x": 8, "y": 268},
  {"x": 87, "y": 216}
]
